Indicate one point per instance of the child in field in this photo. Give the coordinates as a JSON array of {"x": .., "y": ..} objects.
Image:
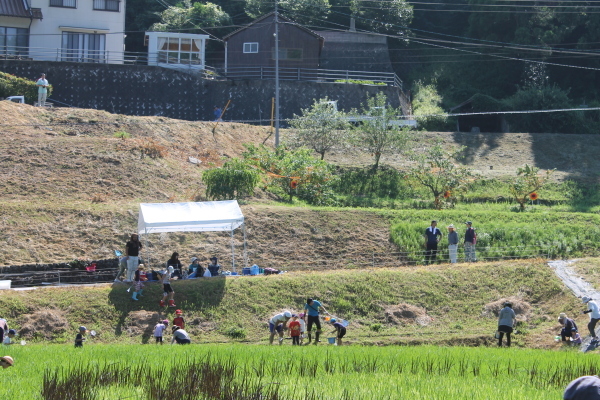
[
  {"x": 180, "y": 336},
  {"x": 302, "y": 321},
  {"x": 339, "y": 329},
  {"x": 9, "y": 336},
  {"x": 138, "y": 285},
  {"x": 576, "y": 339},
  {"x": 80, "y": 338},
  {"x": 159, "y": 329},
  {"x": 167, "y": 289},
  {"x": 294, "y": 327},
  {"x": 178, "y": 320}
]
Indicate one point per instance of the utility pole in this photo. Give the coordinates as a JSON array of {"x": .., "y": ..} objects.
[{"x": 276, "y": 75}]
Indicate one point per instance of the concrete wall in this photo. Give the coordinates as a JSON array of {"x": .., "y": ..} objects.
[{"x": 144, "y": 90}]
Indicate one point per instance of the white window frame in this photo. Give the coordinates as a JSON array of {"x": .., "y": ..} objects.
[{"x": 248, "y": 47}]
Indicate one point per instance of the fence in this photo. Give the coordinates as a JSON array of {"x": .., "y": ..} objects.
[{"x": 312, "y": 75}]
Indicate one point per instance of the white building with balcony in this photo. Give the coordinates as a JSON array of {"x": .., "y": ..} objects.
[{"x": 63, "y": 30}]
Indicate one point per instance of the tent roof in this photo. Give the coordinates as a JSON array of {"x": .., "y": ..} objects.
[{"x": 206, "y": 216}]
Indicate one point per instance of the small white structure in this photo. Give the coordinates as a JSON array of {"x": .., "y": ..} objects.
[
  {"x": 208, "y": 216},
  {"x": 176, "y": 50},
  {"x": 63, "y": 30}
]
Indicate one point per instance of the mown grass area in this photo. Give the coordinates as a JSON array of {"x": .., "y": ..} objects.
[
  {"x": 238, "y": 308},
  {"x": 107, "y": 372}
]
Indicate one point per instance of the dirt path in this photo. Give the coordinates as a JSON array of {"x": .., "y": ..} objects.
[{"x": 574, "y": 282}]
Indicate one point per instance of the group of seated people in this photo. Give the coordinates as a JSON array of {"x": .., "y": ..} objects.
[{"x": 195, "y": 270}]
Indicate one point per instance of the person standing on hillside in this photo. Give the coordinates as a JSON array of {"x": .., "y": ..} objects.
[
  {"x": 132, "y": 252},
  {"x": 594, "y": 316},
  {"x": 167, "y": 289},
  {"x": 470, "y": 239},
  {"x": 42, "y": 85},
  {"x": 432, "y": 238},
  {"x": 178, "y": 320},
  {"x": 506, "y": 322},
  {"x": 452, "y": 243},
  {"x": 294, "y": 327},
  {"x": 311, "y": 308},
  {"x": 569, "y": 329}
]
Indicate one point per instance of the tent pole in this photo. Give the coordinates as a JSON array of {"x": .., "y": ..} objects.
[
  {"x": 232, "y": 252},
  {"x": 245, "y": 251}
]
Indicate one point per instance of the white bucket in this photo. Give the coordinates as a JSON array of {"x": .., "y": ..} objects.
[{"x": 5, "y": 284}]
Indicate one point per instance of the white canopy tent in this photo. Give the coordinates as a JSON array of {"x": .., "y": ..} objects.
[{"x": 208, "y": 216}]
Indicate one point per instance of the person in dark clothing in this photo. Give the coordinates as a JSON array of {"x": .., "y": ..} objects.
[
  {"x": 340, "y": 330},
  {"x": 176, "y": 264},
  {"x": 132, "y": 252},
  {"x": 470, "y": 240},
  {"x": 569, "y": 329},
  {"x": 432, "y": 238},
  {"x": 214, "y": 266},
  {"x": 80, "y": 338}
]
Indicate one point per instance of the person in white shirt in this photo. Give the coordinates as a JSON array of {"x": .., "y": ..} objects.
[
  {"x": 276, "y": 325},
  {"x": 167, "y": 289},
  {"x": 302, "y": 326},
  {"x": 159, "y": 329},
  {"x": 594, "y": 316},
  {"x": 9, "y": 336},
  {"x": 42, "y": 85}
]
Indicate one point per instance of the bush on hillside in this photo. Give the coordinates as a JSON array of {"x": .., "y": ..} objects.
[
  {"x": 11, "y": 85},
  {"x": 234, "y": 180}
]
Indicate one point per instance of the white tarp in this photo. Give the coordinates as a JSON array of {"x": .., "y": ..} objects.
[{"x": 208, "y": 216}]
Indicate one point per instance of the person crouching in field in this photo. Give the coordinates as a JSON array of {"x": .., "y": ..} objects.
[
  {"x": 569, "y": 329},
  {"x": 276, "y": 325},
  {"x": 80, "y": 338},
  {"x": 180, "y": 336},
  {"x": 506, "y": 321},
  {"x": 159, "y": 329},
  {"x": 339, "y": 329}
]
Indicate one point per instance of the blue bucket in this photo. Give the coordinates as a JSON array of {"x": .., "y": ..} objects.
[
  {"x": 246, "y": 271},
  {"x": 331, "y": 340}
]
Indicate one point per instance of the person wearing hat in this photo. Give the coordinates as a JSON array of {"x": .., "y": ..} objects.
[
  {"x": 432, "y": 238},
  {"x": 276, "y": 325},
  {"x": 470, "y": 240},
  {"x": 506, "y": 322},
  {"x": 452, "y": 243},
  {"x": 569, "y": 329},
  {"x": 6, "y": 361},
  {"x": 9, "y": 336},
  {"x": 594, "y": 316},
  {"x": 80, "y": 338},
  {"x": 138, "y": 282},
  {"x": 167, "y": 289},
  {"x": 214, "y": 266},
  {"x": 178, "y": 320},
  {"x": 180, "y": 336},
  {"x": 195, "y": 270},
  {"x": 583, "y": 388},
  {"x": 340, "y": 330}
]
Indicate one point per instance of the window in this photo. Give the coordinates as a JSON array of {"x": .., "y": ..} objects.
[
  {"x": 251, "y": 47},
  {"x": 106, "y": 5},
  {"x": 173, "y": 50},
  {"x": 14, "y": 41},
  {"x": 288, "y": 54},
  {"x": 63, "y": 3},
  {"x": 83, "y": 47}
]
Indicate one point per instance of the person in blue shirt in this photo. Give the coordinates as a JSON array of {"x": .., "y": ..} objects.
[
  {"x": 432, "y": 238},
  {"x": 217, "y": 113},
  {"x": 311, "y": 309}
]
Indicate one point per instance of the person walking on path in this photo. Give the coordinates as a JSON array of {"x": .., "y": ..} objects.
[
  {"x": 470, "y": 239},
  {"x": 42, "y": 85},
  {"x": 506, "y": 322},
  {"x": 569, "y": 329},
  {"x": 276, "y": 325},
  {"x": 432, "y": 238},
  {"x": 594, "y": 316},
  {"x": 452, "y": 243},
  {"x": 132, "y": 252},
  {"x": 180, "y": 336},
  {"x": 311, "y": 308}
]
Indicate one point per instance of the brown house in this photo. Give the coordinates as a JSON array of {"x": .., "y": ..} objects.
[{"x": 250, "y": 51}]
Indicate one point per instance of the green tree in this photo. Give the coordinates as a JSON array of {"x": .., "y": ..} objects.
[
  {"x": 234, "y": 180},
  {"x": 11, "y": 85},
  {"x": 392, "y": 16},
  {"x": 301, "y": 11},
  {"x": 526, "y": 184},
  {"x": 378, "y": 133},
  {"x": 188, "y": 16},
  {"x": 438, "y": 171},
  {"x": 321, "y": 128},
  {"x": 294, "y": 172},
  {"x": 427, "y": 107}
]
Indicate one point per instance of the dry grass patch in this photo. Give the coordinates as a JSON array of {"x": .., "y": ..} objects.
[
  {"x": 404, "y": 314},
  {"x": 46, "y": 323}
]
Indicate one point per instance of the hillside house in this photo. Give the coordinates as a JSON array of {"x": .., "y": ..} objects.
[
  {"x": 250, "y": 51},
  {"x": 63, "y": 30}
]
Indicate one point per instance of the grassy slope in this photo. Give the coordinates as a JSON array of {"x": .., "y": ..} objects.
[{"x": 212, "y": 307}]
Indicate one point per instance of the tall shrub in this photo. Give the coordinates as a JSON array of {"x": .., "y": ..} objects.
[
  {"x": 11, "y": 85},
  {"x": 234, "y": 180}
]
